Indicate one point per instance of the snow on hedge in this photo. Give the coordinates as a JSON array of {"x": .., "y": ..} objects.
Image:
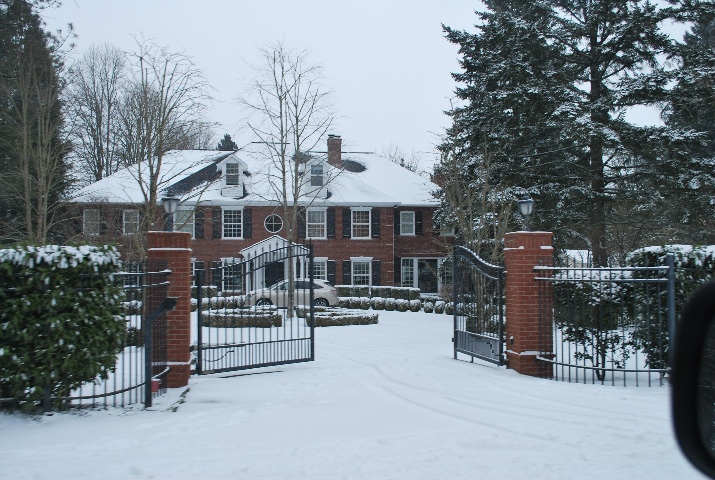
[{"x": 61, "y": 256}]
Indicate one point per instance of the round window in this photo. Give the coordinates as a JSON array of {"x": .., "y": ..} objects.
[{"x": 273, "y": 223}]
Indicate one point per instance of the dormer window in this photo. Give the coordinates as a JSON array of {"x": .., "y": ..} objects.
[
  {"x": 316, "y": 175},
  {"x": 231, "y": 174}
]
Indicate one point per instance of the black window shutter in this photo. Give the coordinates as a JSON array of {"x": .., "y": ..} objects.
[
  {"x": 418, "y": 223},
  {"x": 330, "y": 220},
  {"x": 346, "y": 223},
  {"x": 331, "y": 272},
  {"x": 376, "y": 273},
  {"x": 199, "y": 223},
  {"x": 375, "y": 220},
  {"x": 216, "y": 217},
  {"x": 216, "y": 272},
  {"x": 397, "y": 222},
  {"x": 398, "y": 271},
  {"x": 347, "y": 272},
  {"x": 301, "y": 223},
  {"x": 247, "y": 223}
]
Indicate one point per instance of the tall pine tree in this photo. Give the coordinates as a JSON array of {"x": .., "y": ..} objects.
[
  {"x": 32, "y": 148},
  {"x": 547, "y": 86}
]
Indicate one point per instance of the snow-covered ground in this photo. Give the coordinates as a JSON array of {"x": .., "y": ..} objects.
[{"x": 383, "y": 401}]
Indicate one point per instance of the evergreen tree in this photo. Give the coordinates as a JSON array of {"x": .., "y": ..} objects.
[
  {"x": 32, "y": 148},
  {"x": 691, "y": 111},
  {"x": 226, "y": 144},
  {"x": 547, "y": 84}
]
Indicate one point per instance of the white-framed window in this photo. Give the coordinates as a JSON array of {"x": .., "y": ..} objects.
[
  {"x": 407, "y": 223},
  {"x": 320, "y": 268},
  {"x": 231, "y": 172},
  {"x": 316, "y": 175},
  {"x": 232, "y": 274},
  {"x": 273, "y": 223},
  {"x": 130, "y": 222},
  {"x": 361, "y": 273},
  {"x": 184, "y": 220},
  {"x": 315, "y": 219},
  {"x": 360, "y": 223},
  {"x": 447, "y": 230},
  {"x": 90, "y": 222},
  {"x": 407, "y": 272},
  {"x": 232, "y": 223}
]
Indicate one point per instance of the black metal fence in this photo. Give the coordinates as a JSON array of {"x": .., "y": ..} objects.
[
  {"x": 478, "y": 307},
  {"x": 607, "y": 325},
  {"x": 247, "y": 313},
  {"x": 141, "y": 368}
]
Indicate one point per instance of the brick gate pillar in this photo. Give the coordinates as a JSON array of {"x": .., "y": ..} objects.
[
  {"x": 525, "y": 336},
  {"x": 172, "y": 249}
]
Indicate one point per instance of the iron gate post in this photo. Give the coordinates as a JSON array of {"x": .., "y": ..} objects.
[
  {"x": 670, "y": 263},
  {"x": 199, "y": 319},
  {"x": 455, "y": 273}
]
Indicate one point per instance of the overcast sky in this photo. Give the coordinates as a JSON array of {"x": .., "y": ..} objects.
[{"x": 386, "y": 61}]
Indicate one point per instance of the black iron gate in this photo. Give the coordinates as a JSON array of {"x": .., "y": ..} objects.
[
  {"x": 255, "y": 312},
  {"x": 478, "y": 307}
]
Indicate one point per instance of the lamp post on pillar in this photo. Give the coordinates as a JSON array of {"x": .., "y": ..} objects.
[
  {"x": 526, "y": 208},
  {"x": 170, "y": 203}
]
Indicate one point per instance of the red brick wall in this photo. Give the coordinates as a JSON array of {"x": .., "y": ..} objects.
[
  {"x": 172, "y": 249},
  {"x": 524, "y": 334}
]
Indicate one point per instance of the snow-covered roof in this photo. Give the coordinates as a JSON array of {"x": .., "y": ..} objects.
[{"x": 194, "y": 176}]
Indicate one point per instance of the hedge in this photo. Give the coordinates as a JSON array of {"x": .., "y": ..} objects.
[{"x": 61, "y": 320}]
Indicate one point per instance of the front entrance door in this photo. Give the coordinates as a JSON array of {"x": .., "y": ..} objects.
[
  {"x": 275, "y": 272},
  {"x": 427, "y": 275}
]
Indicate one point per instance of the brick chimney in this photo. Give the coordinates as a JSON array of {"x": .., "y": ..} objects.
[{"x": 335, "y": 145}]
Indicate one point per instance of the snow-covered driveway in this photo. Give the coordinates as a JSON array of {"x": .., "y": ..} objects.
[{"x": 383, "y": 401}]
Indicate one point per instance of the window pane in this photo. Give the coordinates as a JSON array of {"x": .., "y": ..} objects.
[
  {"x": 407, "y": 277},
  {"x": 131, "y": 222},
  {"x": 316, "y": 175},
  {"x": 361, "y": 224},
  {"x": 273, "y": 223},
  {"x": 232, "y": 226},
  {"x": 407, "y": 223},
  {"x": 184, "y": 221},
  {"x": 315, "y": 222},
  {"x": 320, "y": 270},
  {"x": 90, "y": 222},
  {"x": 232, "y": 174},
  {"x": 361, "y": 273}
]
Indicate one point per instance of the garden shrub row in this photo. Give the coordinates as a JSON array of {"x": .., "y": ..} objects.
[
  {"x": 398, "y": 293},
  {"x": 331, "y": 316},
  {"x": 243, "y": 318}
]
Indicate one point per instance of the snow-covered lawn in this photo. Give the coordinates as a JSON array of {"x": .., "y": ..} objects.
[{"x": 383, "y": 401}]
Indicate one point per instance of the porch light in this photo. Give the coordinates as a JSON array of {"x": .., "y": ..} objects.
[
  {"x": 170, "y": 203},
  {"x": 526, "y": 208}
]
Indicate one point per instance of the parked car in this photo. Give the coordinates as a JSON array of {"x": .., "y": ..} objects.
[
  {"x": 694, "y": 380},
  {"x": 324, "y": 294}
]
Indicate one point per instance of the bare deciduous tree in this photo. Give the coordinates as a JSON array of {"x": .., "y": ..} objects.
[
  {"x": 93, "y": 100},
  {"x": 289, "y": 114},
  {"x": 163, "y": 106},
  {"x": 411, "y": 162}
]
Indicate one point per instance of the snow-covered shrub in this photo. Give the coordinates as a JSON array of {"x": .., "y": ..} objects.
[
  {"x": 377, "y": 303},
  {"x": 415, "y": 305},
  {"x": 402, "y": 305},
  {"x": 439, "y": 306},
  {"x": 61, "y": 320},
  {"x": 449, "y": 308},
  {"x": 344, "y": 302},
  {"x": 364, "y": 303},
  {"x": 694, "y": 265},
  {"x": 428, "y": 307},
  {"x": 390, "y": 304}
]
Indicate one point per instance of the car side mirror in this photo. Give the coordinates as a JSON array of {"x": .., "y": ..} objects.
[{"x": 693, "y": 380}]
